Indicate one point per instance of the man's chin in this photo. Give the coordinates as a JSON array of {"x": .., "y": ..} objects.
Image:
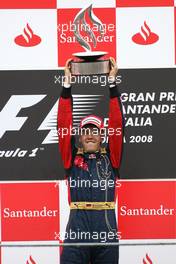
[
  {"x": 90, "y": 147},
  {"x": 90, "y": 150}
]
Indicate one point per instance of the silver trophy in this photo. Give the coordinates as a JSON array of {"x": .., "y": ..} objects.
[{"x": 89, "y": 62}]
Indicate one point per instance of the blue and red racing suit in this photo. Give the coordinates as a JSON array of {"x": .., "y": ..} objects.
[{"x": 91, "y": 178}]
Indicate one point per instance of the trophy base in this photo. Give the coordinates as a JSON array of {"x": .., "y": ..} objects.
[{"x": 90, "y": 68}]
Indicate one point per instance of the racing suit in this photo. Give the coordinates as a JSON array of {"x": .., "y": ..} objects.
[{"x": 94, "y": 168}]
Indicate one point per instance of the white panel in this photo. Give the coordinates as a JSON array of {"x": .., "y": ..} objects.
[
  {"x": 157, "y": 55},
  {"x": 43, "y": 23},
  {"x": 147, "y": 254},
  {"x": 38, "y": 255}
]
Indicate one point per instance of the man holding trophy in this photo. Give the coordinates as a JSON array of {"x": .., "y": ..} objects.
[
  {"x": 92, "y": 208},
  {"x": 94, "y": 170}
]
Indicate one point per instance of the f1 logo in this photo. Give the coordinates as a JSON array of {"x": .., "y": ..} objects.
[{"x": 8, "y": 115}]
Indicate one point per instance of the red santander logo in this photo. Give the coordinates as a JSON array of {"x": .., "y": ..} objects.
[
  {"x": 147, "y": 260},
  {"x": 145, "y": 36},
  {"x": 31, "y": 261},
  {"x": 27, "y": 38}
]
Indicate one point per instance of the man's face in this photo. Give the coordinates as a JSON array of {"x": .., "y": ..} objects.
[{"x": 90, "y": 138}]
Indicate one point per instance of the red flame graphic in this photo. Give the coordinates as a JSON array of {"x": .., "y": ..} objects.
[
  {"x": 31, "y": 261},
  {"x": 145, "y": 37},
  {"x": 28, "y": 38},
  {"x": 147, "y": 260}
]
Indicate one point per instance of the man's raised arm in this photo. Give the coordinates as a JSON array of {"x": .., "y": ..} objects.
[
  {"x": 116, "y": 120},
  {"x": 64, "y": 120}
]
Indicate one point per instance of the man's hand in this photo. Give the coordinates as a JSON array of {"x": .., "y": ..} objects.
[
  {"x": 67, "y": 79},
  {"x": 113, "y": 70}
]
